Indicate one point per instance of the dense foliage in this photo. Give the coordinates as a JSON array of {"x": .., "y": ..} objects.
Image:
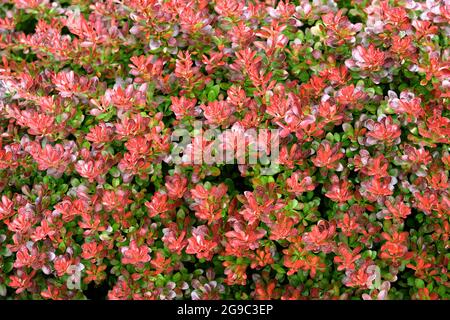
[{"x": 93, "y": 205}]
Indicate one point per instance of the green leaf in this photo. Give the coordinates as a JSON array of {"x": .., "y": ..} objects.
[
  {"x": 2, "y": 290},
  {"x": 8, "y": 266},
  {"x": 293, "y": 204},
  {"x": 4, "y": 251},
  {"x": 442, "y": 291},
  {"x": 62, "y": 246},
  {"x": 337, "y": 137},
  {"x": 419, "y": 283},
  {"x": 304, "y": 77},
  {"x": 115, "y": 182},
  {"x": 104, "y": 116},
  {"x": 278, "y": 269},
  {"x": 176, "y": 277},
  {"x": 213, "y": 93}
]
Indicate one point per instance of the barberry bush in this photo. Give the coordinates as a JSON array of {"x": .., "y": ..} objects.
[{"x": 94, "y": 204}]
